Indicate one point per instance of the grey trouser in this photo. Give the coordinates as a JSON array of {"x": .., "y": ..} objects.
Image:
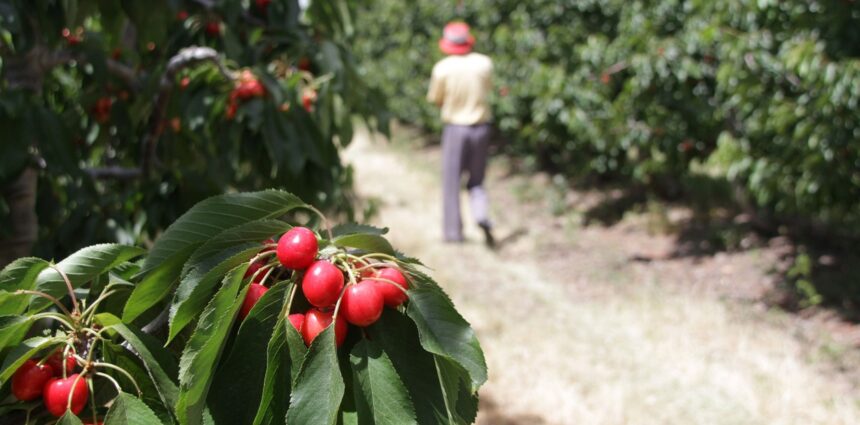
[{"x": 464, "y": 149}]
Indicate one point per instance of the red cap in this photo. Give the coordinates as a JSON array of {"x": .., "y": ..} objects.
[{"x": 456, "y": 39}]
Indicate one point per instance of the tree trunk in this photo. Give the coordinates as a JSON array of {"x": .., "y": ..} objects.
[{"x": 20, "y": 195}]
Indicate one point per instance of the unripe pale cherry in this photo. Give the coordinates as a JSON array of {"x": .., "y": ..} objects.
[
  {"x": 255, "y": 292},
  {"x": 56, "y": 395},
  {"x": 362, "y": 303},
  {"x": 30, "y": 379},
  {"x": 317, "y": 320},
  {"x": 297, "y": 248},
  {"x": 322, "y": 284},
  {"x": 391, "y": 295}
]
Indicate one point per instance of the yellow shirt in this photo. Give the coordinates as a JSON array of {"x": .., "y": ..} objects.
[{"x": 460, "y": 85}]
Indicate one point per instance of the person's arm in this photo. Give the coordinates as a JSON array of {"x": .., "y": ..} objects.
[{"x": 436, "y": 92}]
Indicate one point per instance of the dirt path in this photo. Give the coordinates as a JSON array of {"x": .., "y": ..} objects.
[{"x": 575, "y": 332}]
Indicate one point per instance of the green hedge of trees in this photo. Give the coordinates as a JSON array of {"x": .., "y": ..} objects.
[
  {"x": 763, "y": 94},
  {"x": 134, "y": 111}
]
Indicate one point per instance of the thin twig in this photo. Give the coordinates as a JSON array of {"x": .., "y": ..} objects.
[{"x": 69, "y": 287}]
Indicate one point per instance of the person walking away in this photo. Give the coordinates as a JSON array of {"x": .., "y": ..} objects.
[{"x": 460, "y": 85}]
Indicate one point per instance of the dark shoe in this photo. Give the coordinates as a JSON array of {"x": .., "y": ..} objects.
[{"x": 489, "y": 240}]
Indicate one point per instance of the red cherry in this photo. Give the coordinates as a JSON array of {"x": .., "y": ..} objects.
[
  {"x": 101, "y": 109},
  {"x": 297, "y": 319},
  {"x": 297, "y": 248},
  {"x": 322, "y": 284},
  {"x": 230, "y": 113},
  {"x": 255, "y": 292},
  {"x": 308, "y": 99},
  {"x": 393, "y": 297},
  {"x": 182, "y": 15},
  {"x": 56, "y": 395},
  {"x": 72, "y": 39},
  {"x": 256, "y": 265},
  {"x": 317, "y": 320},
  {"x": 262, "y": 4},
  {"x": 249, "y": 89},
  {"x": 213, "y": 28},
  {"x": 362, "y": 303},
  {"x": 56, "y": 363},
  {"x": 29, "y": 380},
  {"x": 256, "y": 88},
  {"x": 184, "y": 83},
  {"x": 304, "y": 64}
]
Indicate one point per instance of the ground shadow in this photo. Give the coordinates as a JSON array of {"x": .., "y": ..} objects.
[
  {"x": 816, "y": 268},
  {"x": 493, "y": 414},
  {"x": 513, "y": 236}
]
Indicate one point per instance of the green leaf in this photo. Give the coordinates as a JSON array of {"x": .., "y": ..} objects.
[
  {"x": 240, "y": 377},
  {"x": 355, "y": 228},
  {"x": 252, "y": 232},
  {"x": 212, "y": 216},
  {"x": 201, "y": 353},
  {"x": 128, "y": 410},
  {"x": 197, "y": 286},
  {"x": 365, "y": 242},
  {"x": 69, "y": 418},
  {"x": 284, "y": 355},
  {"x": 13, "y": 329},
  {"x": 159, "y": 363},
  {"x": 20, "y": 274},
  {"x": 24, "y": 351},
  {"x": 319, "y": 388},
  {"x": 444, "y": 332},
  {"x": 381, "y": 398},
  {"x": 81, "y": 267},
  {"x": 156, "y": 285},
  {"x": 456, "y": 384},
  {"x": 126, "y": 359},
  {"x": 398, "y": 338}
]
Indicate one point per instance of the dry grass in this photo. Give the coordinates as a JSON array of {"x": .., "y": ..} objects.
[{"x": 574, "y": 334}]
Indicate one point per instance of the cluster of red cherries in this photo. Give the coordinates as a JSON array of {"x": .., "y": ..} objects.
[
  {"x": 247, "y": 87},
  {"x": 357, "y": 298},
  {"x": 52, "y": 380}
]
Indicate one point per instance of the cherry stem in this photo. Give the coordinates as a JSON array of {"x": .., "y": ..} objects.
[
  {"x": 91, "y": 310},
  {"x": 110, "y": 378},
  {"x": 348, "y": 266},
  {"x": 69, "y": 287},
  {"x": 49, "y": 297},
  {"x": 63, "y": 359},
  {"x": 55, "y": 316},
  {"x": 122, "y": 371},
  {"x": 265, "y": 269},
  {"x": 324, "y": 221},
  {"x": 390, "y": 282},
  {"x": 396, "y": 260},
  {"x": 268, "y": 273},
  {"x": 286, "y": 310},
  {"x": 74, "y": 385},
  {"x": 93, "y": 402},
  {"x": 337, "y": 308}
]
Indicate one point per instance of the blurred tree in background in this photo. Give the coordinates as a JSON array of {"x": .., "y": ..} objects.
[
  {"x": 129, "y": 112},
  {"x": 760, "y": 94}
]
